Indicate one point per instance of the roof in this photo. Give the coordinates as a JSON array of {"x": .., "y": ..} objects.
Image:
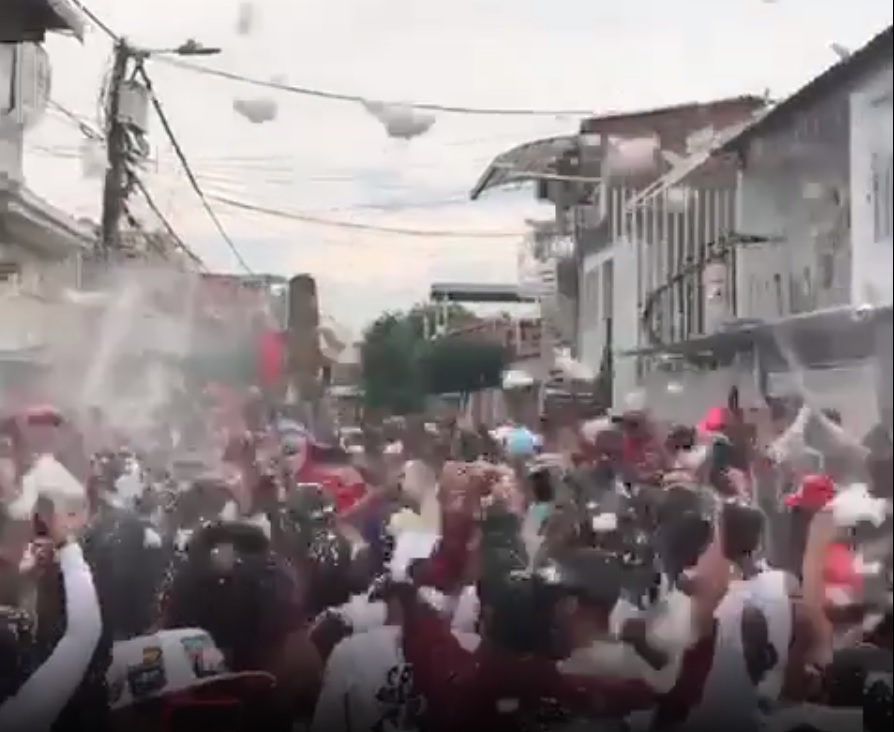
[
  {"x": 846, "y": 71},
  {"x": 636, "y": 123},
  {"x": 476, "y": 292},
  {"x": 29, "y": 20},
  {"x": 522, "y": 163},
  {"x": 534, "y": 159}
]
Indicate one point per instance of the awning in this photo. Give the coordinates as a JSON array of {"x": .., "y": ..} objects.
[
  {"x": 35, "y": 224},
  {"x": 832, "y": 336},
  {"x": 30, "y": 20},
  {"x": 523, "y": 163}
]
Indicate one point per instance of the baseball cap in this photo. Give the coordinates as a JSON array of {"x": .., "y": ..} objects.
[
  {"x": 173, "y": 662},
  {"x": 814, "y": 493}
]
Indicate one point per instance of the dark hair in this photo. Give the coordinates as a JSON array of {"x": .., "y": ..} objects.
[
  {"x": 542, "y": 486},
  {"x": 742, "y": 529},
  {"x": 241, "y": 604}
]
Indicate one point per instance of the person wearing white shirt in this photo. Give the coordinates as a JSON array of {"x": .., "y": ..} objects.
[{"x": 39, "y": 701}]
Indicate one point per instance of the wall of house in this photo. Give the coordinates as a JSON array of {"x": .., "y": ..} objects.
[
  {"x": 798, "y": 196},
  {"x": 11, "y": 136},
  {"x": 871, "y": 172},
  {"x": 608, "y": 289}
]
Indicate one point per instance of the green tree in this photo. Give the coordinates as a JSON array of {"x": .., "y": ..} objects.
[
  {"x": 388, "y": 355},
  {"x": 450, "y": 365},
  {"x": 400, "y": 368}
]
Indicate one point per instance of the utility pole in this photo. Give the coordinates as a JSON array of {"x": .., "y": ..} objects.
[
  {"x": 117, "y": 133},
  {"x": 115, "y": 188}
]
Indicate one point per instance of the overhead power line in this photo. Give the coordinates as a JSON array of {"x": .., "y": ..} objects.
[
  {"x": 94, "y": 134},
  {"x": 187, "y": 169},
  {"x": 357, "y": 226},
  {"x": 358, "y": 99},
  {"x": 175, "y": 237},
  {"x": 340, "y": 96},
  {"x": 95, "y": 19}
]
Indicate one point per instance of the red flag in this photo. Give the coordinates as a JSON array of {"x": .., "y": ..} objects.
[{"x": 271, "y": 353}]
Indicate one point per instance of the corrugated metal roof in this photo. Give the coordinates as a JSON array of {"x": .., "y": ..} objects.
[
  {"x": 522, "y": 163},
  {"x": 844, "y": 72}
]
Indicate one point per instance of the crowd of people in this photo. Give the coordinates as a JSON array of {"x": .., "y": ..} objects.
[{"x": 591, "y": 571}]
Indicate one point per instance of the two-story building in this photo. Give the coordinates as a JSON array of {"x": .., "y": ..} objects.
[
  {"x": 627, "y": 232},
  {"x": 802, "y": 284},
  {"x": 40, "y": 246}
]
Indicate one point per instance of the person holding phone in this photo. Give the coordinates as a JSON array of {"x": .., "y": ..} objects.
[{"x": 36, "y": 703}]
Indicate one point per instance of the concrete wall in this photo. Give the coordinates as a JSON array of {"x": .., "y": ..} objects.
[{"x": 871, "y": 189}]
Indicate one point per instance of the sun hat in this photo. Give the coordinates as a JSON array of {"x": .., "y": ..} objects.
[{"x": 173, "y": 662}]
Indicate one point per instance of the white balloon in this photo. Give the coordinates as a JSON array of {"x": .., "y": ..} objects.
[
  {"x": 256, "y": 111},
  {"x": 401, "y": 121}
]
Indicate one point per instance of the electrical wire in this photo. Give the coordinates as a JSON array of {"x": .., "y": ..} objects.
[
  {"x": 311, "y": 218},
  {"x": 93, "y": 134},
  {"x": 178, "y": 241},
  {"x": 356, "y": 226},
  {"x": 75, "y": 119},
  {"x": 339, "y": 96},
  {"x": 93, "y": 18},
  {"x": 187, "y": 169},
  {"x": 221, "y": 194},
  {"x": 358, "y": 99}
]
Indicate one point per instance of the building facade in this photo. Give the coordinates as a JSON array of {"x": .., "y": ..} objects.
[
  {"x": 816, "y": 180},
  {"x": 642, "y": 238},
  {"x": 40, "y": 246}
]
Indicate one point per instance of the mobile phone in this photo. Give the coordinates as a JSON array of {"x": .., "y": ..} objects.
[{"x": 41, "y": 530}]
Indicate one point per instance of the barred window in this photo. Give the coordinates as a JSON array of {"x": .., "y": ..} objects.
[{"x": 882, "y": 194}]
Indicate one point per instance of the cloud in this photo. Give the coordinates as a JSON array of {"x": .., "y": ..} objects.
[{"x": 332, "y": 159}]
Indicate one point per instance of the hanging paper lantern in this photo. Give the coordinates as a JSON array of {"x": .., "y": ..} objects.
[
  {"x": 401, "y": 121},
  {"x": 256, "y": 111}
]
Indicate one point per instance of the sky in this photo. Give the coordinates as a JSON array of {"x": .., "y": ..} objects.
[{"x": 332, "y": 160}]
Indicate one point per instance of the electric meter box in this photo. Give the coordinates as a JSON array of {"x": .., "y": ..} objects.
[{"x": 133, "y": 105}]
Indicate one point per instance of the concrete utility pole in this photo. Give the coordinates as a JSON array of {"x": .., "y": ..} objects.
[
  {"x": 116, "y": 186},
  {"x": 304, "y": 360},
  {"x": 115, "y": 189}
]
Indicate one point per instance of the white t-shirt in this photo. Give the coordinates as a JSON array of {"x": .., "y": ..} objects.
[
  {"x": 368, "y": 686},
  {"x": 729, "y": 692}
]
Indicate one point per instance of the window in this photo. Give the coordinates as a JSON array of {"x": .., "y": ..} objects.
[
  {"x": 592, "y": 295},
  {"x": 882, "y": 194},
  {"x": 7, "y": 70},
  {"x": 608, "y": 288}
]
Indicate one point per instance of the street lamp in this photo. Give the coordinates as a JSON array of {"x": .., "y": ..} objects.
[{"x": 190, "y": 48}]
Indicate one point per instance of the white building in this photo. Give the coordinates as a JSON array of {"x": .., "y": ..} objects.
[
  {"x": 816, "y": 178},
  {"x": 40, "y": 246},
  {"x": 807, "y": 240}
]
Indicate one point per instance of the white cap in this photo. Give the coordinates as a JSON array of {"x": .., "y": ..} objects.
[
  {"x": 171, "y": 662},
  {"x": 854, "y": 504},
  {"x": 408, "y": 547}
]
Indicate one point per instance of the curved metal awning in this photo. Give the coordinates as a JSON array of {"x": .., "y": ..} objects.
[{"x": 522, "y": 163}]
